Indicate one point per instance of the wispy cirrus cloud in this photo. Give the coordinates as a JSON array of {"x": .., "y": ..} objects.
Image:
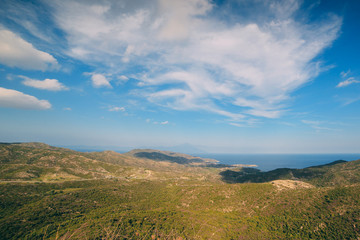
[
  {"x": 30, "y": 15},
  {"x": 192, "y": 60},
  {"x": 10, "y": 98},
  {"x": 347, "y": 82},
  {"x": 346, "y": 79},
  {"x": 318, "y": 125}
]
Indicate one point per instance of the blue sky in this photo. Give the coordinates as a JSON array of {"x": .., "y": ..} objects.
[{"x": 231, "y": 76}]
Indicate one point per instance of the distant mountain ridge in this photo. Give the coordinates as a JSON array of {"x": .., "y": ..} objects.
[{"x": 179, "y": 158}]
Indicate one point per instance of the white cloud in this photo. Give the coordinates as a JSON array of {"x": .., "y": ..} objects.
[
  {"x": 16, "y": 52},
  {"x": 178, "y": 16},
  {"x": 347, "y": 82},
  {"x": 164, "y": 123},
  {"x": 14, "y": 99},
  {"x": 194, "y": 61},
  {"x": 117, "y": 109},
  {"x": 99, "y": 80},
  {"x": 47, "y": 84},
  {"x": 123, "y": 78},
  {"x": 67, "y": 109}
]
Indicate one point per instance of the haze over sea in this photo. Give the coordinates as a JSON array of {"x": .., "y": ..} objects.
[{"x": 267, "y": 162}]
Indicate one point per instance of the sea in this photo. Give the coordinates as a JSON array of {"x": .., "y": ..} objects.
[{"x": 267, "y": 162}]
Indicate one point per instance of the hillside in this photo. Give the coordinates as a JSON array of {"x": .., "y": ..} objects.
[
  {"x": 168, "y": 156},
  {"x": 55, "y": 193},
  {"x": 336, "y": 173},
  {"x": 41, "y": 162}
]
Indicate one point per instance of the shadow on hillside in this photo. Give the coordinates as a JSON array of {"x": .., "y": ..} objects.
[
  {"x": 251, "y": 175},
  {"x": 156, "y": 156}
]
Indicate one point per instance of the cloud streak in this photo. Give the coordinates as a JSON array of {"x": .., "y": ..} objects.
[
  {"x": 347, "y": 82},
  {"x": 318, "y": 125}
]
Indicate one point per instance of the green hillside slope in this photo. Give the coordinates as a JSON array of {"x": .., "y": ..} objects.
[
  {"x": 168, "y": 156},
  {"x": 335, "y": 173},
  {"x": 41, "y": 162},
  {"x": 55, "y": 193}
]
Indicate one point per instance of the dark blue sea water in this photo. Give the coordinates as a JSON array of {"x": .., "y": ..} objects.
[{"x": 266, "y": 162}]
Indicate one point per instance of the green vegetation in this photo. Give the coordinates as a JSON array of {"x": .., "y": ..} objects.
[
  {"x": 332, "y": 174},
  {"x": 179, "y": 158},
  {"x": 118, "y": 196},
  {"x": 163, "y": 157}
]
